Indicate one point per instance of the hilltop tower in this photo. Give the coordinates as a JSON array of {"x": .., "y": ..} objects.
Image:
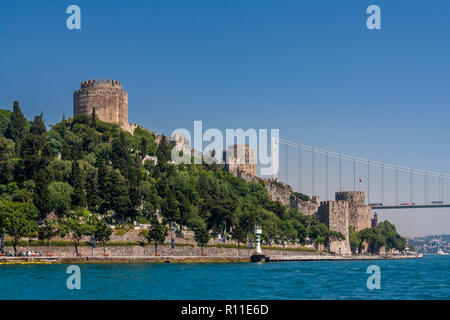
[
  {"x": 108, "y": 98},
  {"x": 239, "y": 157}
]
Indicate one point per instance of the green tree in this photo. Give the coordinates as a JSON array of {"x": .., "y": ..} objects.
[
  {"x": 318, "y": 230},
  {"x": 60, "y": 194},
  {"x": 102, "y": 232},
  {"x": 93, "y": 198},
  {"x": 17, "y": 126},
  {"x": 120, "y": 157},
  {"x": 114, "y": 190},
  {"x": 301, "y": 230},
  {"x": 392, "y": 238},
  {"x": 78, "y": 182},
  {"x": 6, "y": 160},
  {"x": 38, "y": 125},
  {"x": 164, "y": 151},
  {"x": 239, "y": 235},
  {"x": 354, "y": 239},
  {"x": 93, "y": 118},
  {"x": 18, "y": 220},
  {"x": 149, "y": 199},
  {"x": 374, "y": 238},
  {"x": 157, "y": 233},
  {"x": 201, "y": 236},
  {"x": 77, "y": 225},
  {"x": 41, "y": 197},
  {"x": 30, "y": 156},
  {"x": 5, "y": 116},
  {"x": 47, "y": 231}
]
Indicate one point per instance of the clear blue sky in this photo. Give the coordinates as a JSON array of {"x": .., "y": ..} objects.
[{"x": 310, "y": 68}]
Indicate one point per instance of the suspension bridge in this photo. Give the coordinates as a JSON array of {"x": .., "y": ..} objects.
[{"x": 319, "y": 172}]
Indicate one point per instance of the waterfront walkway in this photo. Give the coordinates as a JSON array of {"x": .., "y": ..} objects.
[{"x": 189, "y": 259}]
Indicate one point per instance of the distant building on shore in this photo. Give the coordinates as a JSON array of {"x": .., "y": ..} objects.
[{"x": 375, "y": 220}]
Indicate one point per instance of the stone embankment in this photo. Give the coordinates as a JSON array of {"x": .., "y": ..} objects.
[
  {"x": 149, "y": 250},
  {"x": 138, "y": 254},
  {"x": 278, "y": 258}
]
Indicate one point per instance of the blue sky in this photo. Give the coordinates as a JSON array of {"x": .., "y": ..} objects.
[{"x": 310, "y": 68}]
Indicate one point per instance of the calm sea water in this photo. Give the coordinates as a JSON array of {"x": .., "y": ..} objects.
[{"x": 426, "y": 278}]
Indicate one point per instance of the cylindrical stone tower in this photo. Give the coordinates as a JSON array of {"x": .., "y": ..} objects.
[{"x": 108, "y": 98}]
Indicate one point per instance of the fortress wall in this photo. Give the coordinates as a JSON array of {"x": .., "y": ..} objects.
[
  {"x": 354, "y": 198},
  {"x": 284, "y": 196},
  {"x": 359, "y": 214},
  {"x": 360, "y": 217},
  {"x": 335, "y": 214}
]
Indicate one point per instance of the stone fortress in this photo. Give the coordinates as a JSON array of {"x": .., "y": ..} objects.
[
  {"x": 109, "y": 100},
  {"x": 348, "y": 209},
  {"x": 239, "y": 157}
]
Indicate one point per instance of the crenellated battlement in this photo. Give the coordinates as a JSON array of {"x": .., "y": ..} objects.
[
  {"x": 334, "y": 204},
  {"x": 107, "y": 97},
  {"x": 355, "y": 198},
  {"x": 101, "y": 83}
]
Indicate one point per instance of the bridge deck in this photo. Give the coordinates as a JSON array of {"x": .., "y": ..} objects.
[{"x": 416, "y": 206}]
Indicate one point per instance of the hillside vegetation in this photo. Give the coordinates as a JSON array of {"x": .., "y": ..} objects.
[{"x": 91, "y": 174}]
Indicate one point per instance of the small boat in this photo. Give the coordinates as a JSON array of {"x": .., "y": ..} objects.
[{"x": 441, "y": 252}]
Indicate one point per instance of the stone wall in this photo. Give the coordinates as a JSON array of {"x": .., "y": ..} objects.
[
  {"x": 335, "y": 214},
  {"x": 149, "y": 250},
  {"x": 360, "y": 217},
  {"x": 239, "y": 157},
  {"x": 108, "y": 98},
  {"x": 286, "y": 197},
  {"x": 359, "y": 214},
  {"x": 354, "y": 198}
]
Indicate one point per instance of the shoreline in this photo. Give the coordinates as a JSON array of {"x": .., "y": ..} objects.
[{"x": 187, "y": 259}]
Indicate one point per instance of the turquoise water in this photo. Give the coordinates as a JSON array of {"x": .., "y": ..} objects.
[{"x": 426, "y": 278}]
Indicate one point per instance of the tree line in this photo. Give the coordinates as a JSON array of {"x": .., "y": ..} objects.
[{"x": 88, "y": 174}]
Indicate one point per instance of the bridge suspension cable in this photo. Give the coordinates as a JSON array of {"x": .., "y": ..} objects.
[
  {"x": 313, "y": 172},
  {"x": 300, "y": 169},
  {"x": 396, "y": 186},
  {"x": 439, "y": 189},
  {"x": 368, "y": 181},
  {"x": 365, "y": 161},
  {"x": 382, "y": 183},
  {"x": 326, "y": 175},
  {"x": 354, "y": 175}
]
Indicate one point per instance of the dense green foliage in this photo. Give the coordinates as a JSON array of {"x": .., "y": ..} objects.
[
  {"x": 384, "y": 235},
  {"x": 157, "y": 233},
  {"x": 85, "y": 170},
  {"x": 17, "y": 219}
]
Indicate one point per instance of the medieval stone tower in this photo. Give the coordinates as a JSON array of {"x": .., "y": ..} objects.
[
  {"x": 347, "y": 210},
  {"x": 239, "y": 157},
  {"x": 359, "y": 214},
  {"x": 108, "y": 98},
  {"x": 335, "y": 215}
]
